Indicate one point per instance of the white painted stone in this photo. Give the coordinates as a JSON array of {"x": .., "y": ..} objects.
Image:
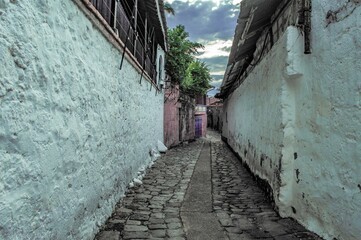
[
  {"x": 304, "y": 111},
  {"x": 4, "y": 3},
  {"x": 74, "y": 129},
  {"x": 137, "y": 182},
  {"x": 161, "y": 147}
]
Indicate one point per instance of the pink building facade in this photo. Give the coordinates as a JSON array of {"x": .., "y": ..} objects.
[
  {"x": 179, "y": 117},
  {"x": 171, "y": 116}
]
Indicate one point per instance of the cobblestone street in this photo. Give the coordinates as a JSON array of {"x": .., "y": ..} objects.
[{"x": 198, "y": 191}]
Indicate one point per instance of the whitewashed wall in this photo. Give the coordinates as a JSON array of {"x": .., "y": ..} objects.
[
  {"x": 74, "y": 129},
  {"x": 306, "y": 111},
  {"x": 253, "y": 119},
  {"x": 327, "y": 191}
]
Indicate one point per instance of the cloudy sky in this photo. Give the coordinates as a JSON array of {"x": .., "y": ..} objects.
[{"x": 212, "y": 23}]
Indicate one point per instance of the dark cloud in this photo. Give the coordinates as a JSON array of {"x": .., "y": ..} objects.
[
  {"x": 216, "y": 60},
  {"x": 216, "y": 77},
  {"x": 226, "y": 49},
  {"x": 202, "y": 22},
  {"x": 216, "y": 64}
]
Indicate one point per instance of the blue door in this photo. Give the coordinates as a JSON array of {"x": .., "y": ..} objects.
[{"x": 198, "y": 126}]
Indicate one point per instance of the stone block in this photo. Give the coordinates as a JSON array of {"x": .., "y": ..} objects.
[{"x": 108, "y": 235}]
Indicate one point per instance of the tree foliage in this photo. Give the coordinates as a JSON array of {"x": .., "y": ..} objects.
[
  {"x": 192, "y": 75},
  {"x": 180, "y": 53},
  {"x": 197, "y": 79}
]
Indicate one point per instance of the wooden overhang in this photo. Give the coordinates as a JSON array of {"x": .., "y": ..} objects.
[
  {"x": 156, "y": 16},
  {"x": 254, "y": 17}
]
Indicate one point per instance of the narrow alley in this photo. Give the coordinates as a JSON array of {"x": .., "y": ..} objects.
[
  {"x": 105, "y": 106},
  {"x": 199, "y": 190}
]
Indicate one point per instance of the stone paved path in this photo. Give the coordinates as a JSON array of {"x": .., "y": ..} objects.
[
  {"x": 172, "y": 203},
  {"x": 242, "y": 207}
]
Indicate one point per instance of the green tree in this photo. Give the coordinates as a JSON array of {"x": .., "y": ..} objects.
[
  {"x": 180, "y": 54},
  {"x": 197, "y": 79}
]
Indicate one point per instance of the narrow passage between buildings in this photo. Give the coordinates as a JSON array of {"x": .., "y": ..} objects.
[{"x": 199, "y": 190}]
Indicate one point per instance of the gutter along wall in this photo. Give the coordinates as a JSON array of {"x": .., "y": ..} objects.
[
  {"x": 295, "y": 120},
  {"x": 74, "y": 129}
]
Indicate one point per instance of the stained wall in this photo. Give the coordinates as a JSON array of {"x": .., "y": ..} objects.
[{"x": 295, "y": 121}]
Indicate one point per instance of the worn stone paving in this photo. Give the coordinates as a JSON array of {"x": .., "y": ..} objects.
[
  {"x": 241, "y": 206},
  {"x": 153, "y": 210}
]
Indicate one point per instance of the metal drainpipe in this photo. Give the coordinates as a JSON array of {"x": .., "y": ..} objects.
[
  {"x": 307, "y": 25},
  {"x": 135, "y": 27}
]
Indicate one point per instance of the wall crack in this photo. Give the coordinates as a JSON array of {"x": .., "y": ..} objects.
[{"x": 343, "y": 12}]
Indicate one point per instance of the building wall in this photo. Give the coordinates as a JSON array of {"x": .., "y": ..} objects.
[
  {"x": 179, "y": 111},
  {"x": 74, "y": 129},
  {"x": 214, "y": 117},
  {"x": 201, "y": 112},
  {"x": 252, "y": 118},
  {"x": 214, "y": 113},
  {"x": 171, "y": 116},
  {"x": 302, "y": 112},
  {"x": 187, "y": 121},
  {"x": 212, "y": 101},
  {"x": 327, "y": 169}
]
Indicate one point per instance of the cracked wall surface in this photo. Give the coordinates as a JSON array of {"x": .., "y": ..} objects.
[
  {"x": 74, "y": 129},
  {"x": 342, "y": 12}
]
